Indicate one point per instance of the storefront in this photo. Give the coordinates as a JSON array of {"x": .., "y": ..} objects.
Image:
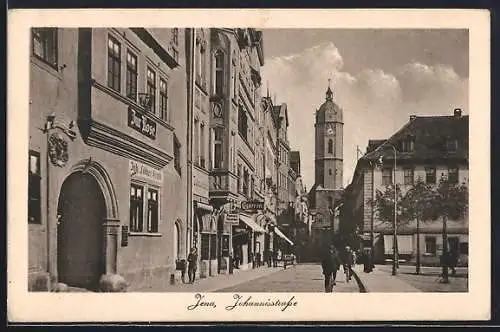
[
  {"x": 283, "y": 243},
  {"x": 245, "y": 241},
  {"x": 205, "y": 239}
]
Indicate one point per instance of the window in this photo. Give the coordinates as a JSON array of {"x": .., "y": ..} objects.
[
  {"x": 245, "y": 182},
  {"x": 175, "y": 36},
  {"x": 163, "y": 100},
  {"x": 329, "y": 171},
  {"x": 196, "y": 142},
  {"x": 131, "y": 84},
  {"x": 453, "y": 174},
  {"x": 152, "y": 219},
  {"x": 218, "y": 140},
  {"x": 239, "y": 178},
  {"x": 177, "y": 155},
  {"x": 464, "y": 248},
  {"x": 114, "y": 64},
  {"x": 408, "y": 176},
  {"x": 235, "y": 76},
  {"x": 330, "y": 146},
  {"x": 45, "y": 44},
  {"x": 408, "y": 145},
  {"x": 219, "y": 72},
  {"x": 386, "y": 176},
  {"x": 242, "y": 123},
  {"x": 430, "y": 245},
  {"x": 151, "y": 89},
  {"x": 177, "y": 242},
  {"x": 34, "y": 179},
  {"x": 451, "y": 145},
  {"x": 430, "y": 175},
  {"x": 202, "y": 145},
  {"x": 136, "y": 208}
]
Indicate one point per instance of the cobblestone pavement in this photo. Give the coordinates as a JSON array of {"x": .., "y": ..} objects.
[{"x": 299, "y": 278}]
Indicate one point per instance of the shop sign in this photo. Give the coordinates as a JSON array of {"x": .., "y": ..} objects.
[
  {"x": 141, "y": 123},
  {"x": 232, "y": 218},
  {"x": 252, "y": 205},
  {"x": 140, "y": 170}
]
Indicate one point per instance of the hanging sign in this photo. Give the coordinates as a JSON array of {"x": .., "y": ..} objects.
[
  {"x": 140, "y": 170},
  {"x": 232, "y": 218},
  {"x": 252, "y": 205}
]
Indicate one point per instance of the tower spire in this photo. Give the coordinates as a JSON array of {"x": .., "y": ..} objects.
[{"x": 329, "y": 93}]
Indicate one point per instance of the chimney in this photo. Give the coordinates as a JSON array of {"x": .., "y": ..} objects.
[
  {"x": 412, "y": 117},
  {"x": 457, "y": 112}
]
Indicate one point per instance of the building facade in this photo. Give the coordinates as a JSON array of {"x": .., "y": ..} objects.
[
  {"x": 107, "y": 182},
  {"x": 426, "y": 148}
]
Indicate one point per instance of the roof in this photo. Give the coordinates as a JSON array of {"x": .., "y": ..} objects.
[
  {"x": 329, "y": 106},
  {"x": 282, "y": 111},
  {"x": 430, "y": 135}
]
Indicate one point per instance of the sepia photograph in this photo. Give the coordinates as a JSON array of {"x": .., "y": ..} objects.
[{"x": 248, "y": 160}]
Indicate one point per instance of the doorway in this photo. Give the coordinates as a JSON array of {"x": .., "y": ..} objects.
[
  {"x": 81, "y": 212},
  {"x": 453, "y": 246}
]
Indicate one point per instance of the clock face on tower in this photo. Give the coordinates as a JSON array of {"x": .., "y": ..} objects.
[{"x": 329, "y": 129}]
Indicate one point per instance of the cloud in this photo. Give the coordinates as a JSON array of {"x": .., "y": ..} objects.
[{"x": 376, "y": 103}]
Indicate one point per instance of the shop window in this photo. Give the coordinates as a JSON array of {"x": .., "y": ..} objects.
[
  {"x": 131, "y": 82},
  {"x": 453, "y": 174},
  {"x": 45, "y": 45},
  {"x": 151, "y": 89},
  {"x": 136, "y": 207},
  {"x": 152, "y": 217},
  {"x": 164, "y": 99},
  {"x": 386, "y": 176},
  {"x": 114, "y": 64},
  {"x": 430, "y": 245},
  {"x": 34, "y": 180},
  {"x": 208, "y": 246},
  {"x": 430, "y": 175},
  {"x": 408, "y": 176}
]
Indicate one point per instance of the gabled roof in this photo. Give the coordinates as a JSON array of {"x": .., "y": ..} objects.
[{"x": 429, "y": 134}]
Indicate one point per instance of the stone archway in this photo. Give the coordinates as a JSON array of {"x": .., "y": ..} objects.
[{"x": 88, "y": 189}]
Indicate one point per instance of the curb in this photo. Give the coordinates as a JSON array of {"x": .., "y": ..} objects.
[{"x": 362, "y": 287}]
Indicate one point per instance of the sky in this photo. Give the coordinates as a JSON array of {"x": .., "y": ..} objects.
[{"x": 379, "y": 78}]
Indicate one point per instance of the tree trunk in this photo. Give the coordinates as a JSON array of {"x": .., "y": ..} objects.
[
  {"x": 445, "y": 251},
  {"x": 418, "y": 247}
]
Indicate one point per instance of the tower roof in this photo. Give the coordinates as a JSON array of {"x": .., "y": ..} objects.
[{"x": 328, "y": 107}]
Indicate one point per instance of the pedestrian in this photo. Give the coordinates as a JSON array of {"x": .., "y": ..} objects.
[
  {"x": 453, "y": 262},
  {"x": 354, "y": 258},
  {"x": 192, "y": 262},
  {"x": 330, "y": 264},
  {"x": 347, "y": 263}
]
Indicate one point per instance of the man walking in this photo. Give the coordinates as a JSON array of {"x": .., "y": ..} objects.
[
  {"x": 192, "y": 261},
  {"x": 348, "y": 262},
  {"x": 330, "y": 265}
]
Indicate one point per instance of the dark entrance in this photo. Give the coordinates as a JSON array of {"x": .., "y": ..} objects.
[
  {"x": 81, "y": 210},
  {"x": 453, "y": 246}
]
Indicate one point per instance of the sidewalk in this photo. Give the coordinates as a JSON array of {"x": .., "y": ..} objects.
[
  {"x": 379, "y": 281},
  {"x": 214, "y": 283}
]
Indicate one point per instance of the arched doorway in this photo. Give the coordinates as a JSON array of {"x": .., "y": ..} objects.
[
  {"x": 177, "y": 242},
  {"x": 82, "y": 211}
]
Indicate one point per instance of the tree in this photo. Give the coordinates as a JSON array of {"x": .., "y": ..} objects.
[
  {"x": 384, "y": 206},
  {"x": 449, "y": 201},
  {"x": 416, "y": 205}
]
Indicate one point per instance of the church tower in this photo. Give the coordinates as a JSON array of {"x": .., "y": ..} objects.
[{"x": 329, "y": 144}]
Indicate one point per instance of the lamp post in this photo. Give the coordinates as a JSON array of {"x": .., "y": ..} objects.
[{"x": 395, "y": 239}]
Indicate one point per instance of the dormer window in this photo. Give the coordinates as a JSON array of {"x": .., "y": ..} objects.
[
  {"x": 451, "y": 145},
  {"x": 408, "y": 144}
]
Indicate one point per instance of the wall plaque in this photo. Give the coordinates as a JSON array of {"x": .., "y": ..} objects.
[
  {"x": 141, "y": 123},
  {"x": 140, "y": 170}
]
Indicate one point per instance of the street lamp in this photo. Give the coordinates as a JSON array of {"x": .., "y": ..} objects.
[{"x": 395, "y": 239}]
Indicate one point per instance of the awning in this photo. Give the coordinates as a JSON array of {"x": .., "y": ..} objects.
[
  {"x": 405, "y": 244},
  {"x": 203, "y": 206},
  {"x": 252, "y": 224},
  {"x": 281, "y": 235}
]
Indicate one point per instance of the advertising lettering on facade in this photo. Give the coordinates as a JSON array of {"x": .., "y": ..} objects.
[
  {"x": 141, "y": 123},
  {"x": 232, "y": 218},
  {"x": 252, "y": 205},
  {"x": 140, "y": 170}
]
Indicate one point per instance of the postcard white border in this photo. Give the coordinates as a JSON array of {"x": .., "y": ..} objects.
[{"x": 83, "y": 307}]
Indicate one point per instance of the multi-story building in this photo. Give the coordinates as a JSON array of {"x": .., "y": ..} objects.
[
  {"x": 426, "y": 147},
  {"x": 107, "y": 188}
]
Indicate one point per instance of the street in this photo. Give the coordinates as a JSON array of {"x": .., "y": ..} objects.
[{"x": 299, "y": 278}]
